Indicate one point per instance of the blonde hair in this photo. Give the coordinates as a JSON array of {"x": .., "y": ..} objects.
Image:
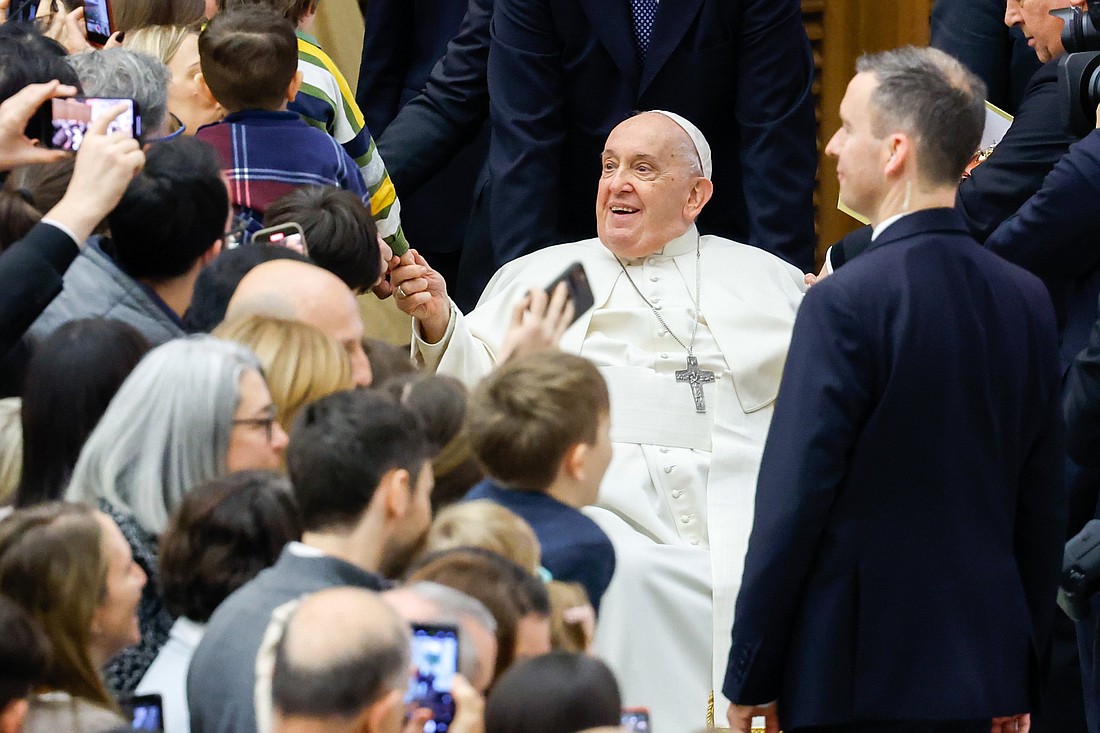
[
  {"x": 486, "y": 525},
  {"x": 568, "y": 606},
  {"x": 11, "y": 446},
  {"x": 301, "y": 363},
  {"x": 159, "y": 41}
]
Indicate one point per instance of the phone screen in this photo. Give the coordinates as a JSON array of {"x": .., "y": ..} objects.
[
  {"x": 435, "y": 656},
  {"x": 70, "y": 118},
  {"x": 97, "y": 19},
  {"x": 636, "y": 719},
  {"x": 145, "y": 712}
]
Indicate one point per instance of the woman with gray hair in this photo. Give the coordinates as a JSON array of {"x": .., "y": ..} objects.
[
  {"x": 192, "y": 410},
  {"x": 120, "y": 72}
]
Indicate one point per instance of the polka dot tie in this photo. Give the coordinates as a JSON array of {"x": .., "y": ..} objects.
[{"x": 644, "y": 13}]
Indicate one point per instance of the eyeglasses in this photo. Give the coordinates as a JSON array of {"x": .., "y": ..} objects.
[
  {"x": 267, "y": 423},
  {"x": 180, "y": 129}
]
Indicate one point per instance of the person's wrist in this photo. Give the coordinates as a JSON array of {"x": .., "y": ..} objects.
[{"x": 78, "y": 214}]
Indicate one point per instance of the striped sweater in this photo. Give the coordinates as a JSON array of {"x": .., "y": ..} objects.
[{"x": 327, "y": 102}]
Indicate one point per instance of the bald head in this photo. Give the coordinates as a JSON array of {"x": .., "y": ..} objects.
[
  {"x": 343, "y": 650},
  {"x": 299, "y": 291}
]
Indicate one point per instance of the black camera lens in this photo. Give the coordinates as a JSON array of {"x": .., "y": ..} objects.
[{"x": 1080, "y": 30}]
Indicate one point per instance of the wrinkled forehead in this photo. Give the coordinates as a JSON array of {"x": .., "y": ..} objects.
[{"x": 648, "y": 134}]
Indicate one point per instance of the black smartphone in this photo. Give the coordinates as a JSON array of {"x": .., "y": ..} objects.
[
  {"x": 98, "y": 20},
  {"x": 435, "y": 656},
  {"x": 289, "y": 235},
  {"x": 62, "y": 123},
  {"x": 145, "y": 712},
  {"x": 580, "y": 292},
  {"x": 636, "y": 719}
]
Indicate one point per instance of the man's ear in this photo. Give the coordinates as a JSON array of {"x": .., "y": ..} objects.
[
  {"x": 215, "y": 250},
  {"x": 901, "y": 149},
  {"x": 698, "y": 198},
  {"x": 572, "y": 464},
  {"x": 384, "y": 715},
  {"x": 295, "y": 85},
  {"x": 13, "y": 714},
  {"x": 395, "y": 490}
]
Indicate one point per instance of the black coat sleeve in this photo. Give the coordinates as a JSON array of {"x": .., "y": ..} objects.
[{"x": 30, "y": 277}]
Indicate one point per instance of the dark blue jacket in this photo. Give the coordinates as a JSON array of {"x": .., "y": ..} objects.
[
  {"x": 574, "y": 548},
  {"x": 909, "y": 512}
]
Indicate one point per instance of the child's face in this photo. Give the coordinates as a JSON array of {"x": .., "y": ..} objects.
[{"x": 597, "y": 459}]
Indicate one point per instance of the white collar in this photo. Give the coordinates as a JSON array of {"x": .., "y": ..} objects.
[
  {"x": 298, "y": 549},
  {"x": 681, "y": 245},
  {"x": 882, "y": 225}
]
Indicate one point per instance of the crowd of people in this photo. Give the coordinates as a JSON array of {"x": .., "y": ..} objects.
[{"x": 697, "y": 481}]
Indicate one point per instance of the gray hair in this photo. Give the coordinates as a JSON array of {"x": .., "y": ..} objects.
[
  {"x": 165, "y": 431},
  {"x": 934, "y": 98},
  {"x": 120, "y": 72},
  {"x": 454, "y": 606}
]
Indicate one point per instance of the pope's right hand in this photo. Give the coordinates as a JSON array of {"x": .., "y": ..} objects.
[{"x": 421, "y": 292}]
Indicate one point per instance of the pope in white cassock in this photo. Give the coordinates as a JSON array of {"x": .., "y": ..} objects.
[{"x": 691, "y": 333}]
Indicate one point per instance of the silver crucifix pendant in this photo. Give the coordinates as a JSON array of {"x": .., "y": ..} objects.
[{"x": 696, "y": 377}]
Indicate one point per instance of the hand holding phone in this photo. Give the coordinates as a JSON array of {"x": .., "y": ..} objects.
[
  {"x": 63, "y": 123},
  {"x": 146, "y": 712},
  {"x": 98, "y": 20},
  {"x": 576, "y": 283},
  {"x": 435, "y": 657}
]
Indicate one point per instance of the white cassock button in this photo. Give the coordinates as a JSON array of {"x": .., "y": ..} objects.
[
  {"x": 695, "y": 542},
  {"x": 668, "y": 469},
  {"x": 685, "y": 518},
  {"x": 656, "y": 306},
  {"x": 654, "y": 277},
  {"x": 664, "y": 449},
  {"x": 662, "y": 332},
  {"x": 677, "y": 493},
  {"x": 664, "y": 356}
]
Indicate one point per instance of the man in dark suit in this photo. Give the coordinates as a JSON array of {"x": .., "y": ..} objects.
[
  {"x": 1039, "y": 135},
  {"x": 907, "y": 537},
  {"x": 438, "y": 140},
  {"x": 563, "y": 73},
  {"x": 974, "y": 32}
]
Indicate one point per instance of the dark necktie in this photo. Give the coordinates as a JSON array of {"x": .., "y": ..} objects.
[{"x": 644, "y": 13}]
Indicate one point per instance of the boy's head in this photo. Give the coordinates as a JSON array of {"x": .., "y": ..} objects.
[
  {"x": 249, "y": 58},
  {"x": 340, "y": 233},
  {"x": 540, "y": 418},
  {"x": 293, "y": 10}
]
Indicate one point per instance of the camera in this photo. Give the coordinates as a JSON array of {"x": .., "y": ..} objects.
[
  {"x": 1078, "y": 71},
  {"x": 1080, "y": 572}
]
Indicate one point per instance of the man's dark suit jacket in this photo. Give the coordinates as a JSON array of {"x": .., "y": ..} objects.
[
  {"x": 902, "y": 558},
  {"x": 404, "y": 40},
  {"x": 1038, "y": 137},
  {"x": 974, "y": 32},
  {"x": 563, "y": 73},
  {"x": 31, "y": 273},
  {"x": 436, "y": 146}
]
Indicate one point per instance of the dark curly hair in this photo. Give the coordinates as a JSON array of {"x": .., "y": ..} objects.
[{"x": 225, "y": 532}]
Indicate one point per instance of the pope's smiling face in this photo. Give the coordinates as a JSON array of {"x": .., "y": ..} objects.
[{"x": 651, "y": 189}]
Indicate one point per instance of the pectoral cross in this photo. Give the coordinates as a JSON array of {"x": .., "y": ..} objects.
[{"x": 696, "y": 377}]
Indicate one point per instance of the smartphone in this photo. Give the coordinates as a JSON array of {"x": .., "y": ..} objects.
[
  {"x": 435, "y": 656},
  {"x": 144, "y": 711},
  {"x": 580, "y": 292},
  {"x": 636, "y": 719},
  {"x": 62, "y": 123},
  {"x": 289, "y": 235},
  {"x": 98, "y": 20}
]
